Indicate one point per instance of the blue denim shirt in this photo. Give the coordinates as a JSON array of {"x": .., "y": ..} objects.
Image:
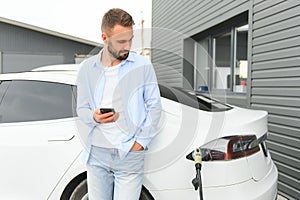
[{"x": 140, "y": 98}]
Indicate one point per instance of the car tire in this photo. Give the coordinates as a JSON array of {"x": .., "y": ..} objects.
[
  {"x": 145, "y": 195},
  {"x": 80, "y": 192}
]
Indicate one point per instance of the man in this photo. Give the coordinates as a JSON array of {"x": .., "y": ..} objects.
[{"x": 119, "y": 79}]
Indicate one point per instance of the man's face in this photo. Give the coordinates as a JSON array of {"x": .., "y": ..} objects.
[{"x": 119, "y": 41}]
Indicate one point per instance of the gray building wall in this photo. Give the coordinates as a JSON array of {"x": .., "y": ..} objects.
[
  {"x": 23, "y": 49},
  {"x": 274, "y": 67},
  {"x": 276, "y": 84},
  {"x": 174, "y": 21}
]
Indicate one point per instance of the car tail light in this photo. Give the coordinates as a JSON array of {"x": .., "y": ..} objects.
[{"x": 228, "y": 148}]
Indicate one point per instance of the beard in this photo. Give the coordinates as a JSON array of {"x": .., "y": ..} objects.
[{"x": 121, "y": 55}]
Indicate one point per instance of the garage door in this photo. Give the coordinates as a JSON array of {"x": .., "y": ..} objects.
[{"x": 17, "y": 62}]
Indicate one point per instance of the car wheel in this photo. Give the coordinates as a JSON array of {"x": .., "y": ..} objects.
[
  {"x": 80, "y": 192},
  {"x": 145, "y": 195}
]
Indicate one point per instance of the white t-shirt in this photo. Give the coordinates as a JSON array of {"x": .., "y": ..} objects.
[{"x": 111, "y": 99}]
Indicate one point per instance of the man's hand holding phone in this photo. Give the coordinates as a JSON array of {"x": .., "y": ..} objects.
[{"x": 105, "y": 115}]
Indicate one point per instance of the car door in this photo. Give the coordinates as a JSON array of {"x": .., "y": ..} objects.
[{"x": 37, "y": 137}]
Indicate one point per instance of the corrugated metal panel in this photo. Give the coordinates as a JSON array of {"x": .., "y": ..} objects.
[
  {"x": 264, "y": 4},
  {"x": 288, "y": 131},
  {"x": 277, "y": 36},
  {"x": 217, "y": 13},
  {"x": 278, "y": 109},
  {"x": 277, "y": 54},
  {"x": 289, "y": 92},
  {"x": 263, "y": 10},
  {"x": 174, "y": 21},
  {"x": 282, "y": 101},
  {"x": 283, "y": 25},
  {"x": 274, "y": 17},
  {"x": 284, "y": 120},
  {"x": 256, "y": 2},
  {"x": 281, "y": 44},
  {"x": 193, "y": 16},
  {"x": 281, "y": 72},
  {"x": 275, "y": 69},
  {"x": 276, "y": 84},
  {"x": 272, "y": 64}
]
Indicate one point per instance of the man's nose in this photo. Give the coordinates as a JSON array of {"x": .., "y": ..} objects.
[{"x": 127, "y": 45}]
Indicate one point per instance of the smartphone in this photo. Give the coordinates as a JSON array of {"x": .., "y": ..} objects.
[{"x": 106, "y": 110}]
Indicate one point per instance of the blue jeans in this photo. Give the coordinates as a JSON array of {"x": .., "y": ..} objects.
[{"x": 110, "y": 178}]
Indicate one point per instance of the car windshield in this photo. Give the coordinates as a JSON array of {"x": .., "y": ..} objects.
[{"x": 193, "y": 99}]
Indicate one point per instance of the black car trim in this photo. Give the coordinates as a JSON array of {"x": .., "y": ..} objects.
[{"x": 192, "y": 99}]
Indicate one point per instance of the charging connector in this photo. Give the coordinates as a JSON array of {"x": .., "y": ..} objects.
[{"x": 197, "y": 182}]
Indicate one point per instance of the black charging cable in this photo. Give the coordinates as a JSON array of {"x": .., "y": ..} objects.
[{"x": 197, "y": 182}]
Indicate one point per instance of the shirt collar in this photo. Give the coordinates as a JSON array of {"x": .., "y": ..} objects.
[{"x": 97, "y": 62}]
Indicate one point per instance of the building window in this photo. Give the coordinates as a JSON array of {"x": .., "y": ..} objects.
[{"x": 221, "y": 59}]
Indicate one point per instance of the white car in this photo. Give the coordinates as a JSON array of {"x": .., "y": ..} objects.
[{"x": 41, "y": 143}]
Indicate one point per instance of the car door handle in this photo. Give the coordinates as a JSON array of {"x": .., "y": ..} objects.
[{"x": 62, "y": 138}]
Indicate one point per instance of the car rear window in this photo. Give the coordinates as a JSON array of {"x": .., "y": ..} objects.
[
  {"x": 192, "y": 99},
  {"x": 24, "y": 100}
]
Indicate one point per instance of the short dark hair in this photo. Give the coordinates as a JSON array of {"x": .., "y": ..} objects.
[{"x": 116, "y": 16}]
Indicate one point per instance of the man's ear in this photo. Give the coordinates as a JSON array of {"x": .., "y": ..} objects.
[{"x": 104, "y": 37}]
